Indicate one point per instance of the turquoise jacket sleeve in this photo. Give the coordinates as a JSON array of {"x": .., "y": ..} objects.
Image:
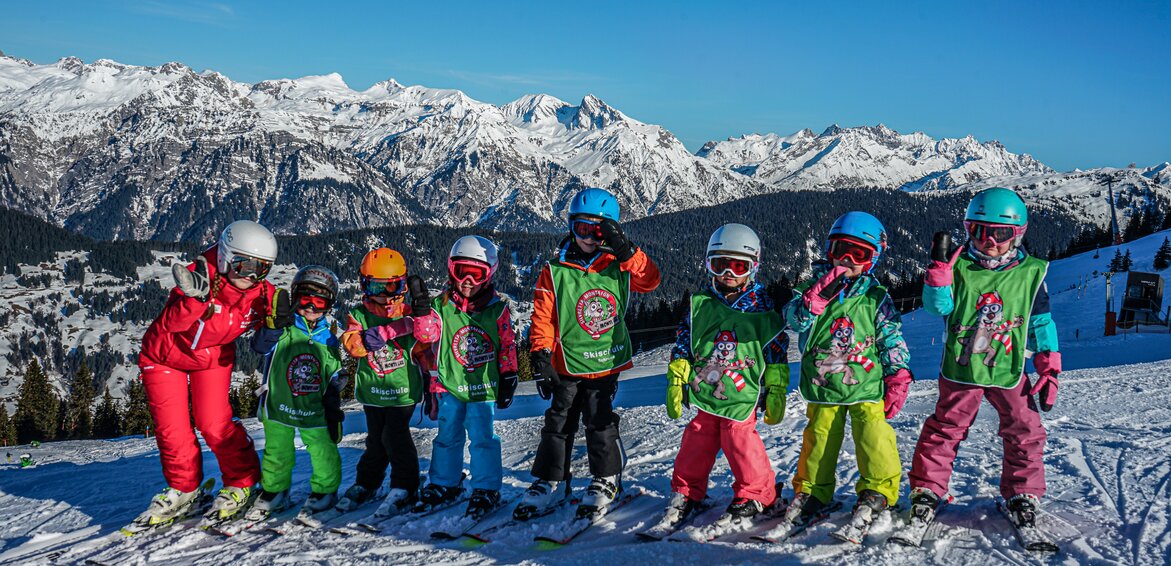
[
  {"x": 1042, "y": 328},
  {"x": 892, "y": 348},
  {"x": 938, "y": 300}
]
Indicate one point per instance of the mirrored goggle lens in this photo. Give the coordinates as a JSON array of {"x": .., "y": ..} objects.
[
  {"x": 467, "y": 270},
  {"x": 736, "y": 266},
  {"x": 584, "y": 229},
  {"x": 997, "y": 233},
  {"x": 314, "y": 302},
  {"x": 387, "y": 287},
  {"x": 250, "y": 267},
  {"x": 845, "y": 249}
]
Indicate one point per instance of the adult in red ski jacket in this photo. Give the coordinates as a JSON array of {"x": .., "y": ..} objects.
[{"x": 217, "y": 299}]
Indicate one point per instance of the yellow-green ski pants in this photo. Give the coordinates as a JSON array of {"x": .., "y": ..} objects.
[{"x": 879, "y": 467}]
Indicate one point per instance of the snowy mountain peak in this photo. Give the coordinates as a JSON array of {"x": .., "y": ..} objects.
[
  {"x": 388, "y": 86},
  {"x": 71, "y": 64},
  {"x": 534, "y": 109},
  {"x": 595, "y": 114},
  {"x": 832, "y": 131}
]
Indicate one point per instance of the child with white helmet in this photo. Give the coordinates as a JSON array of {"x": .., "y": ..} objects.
[
  {"x": 730, "y": 359},
  {"x": 854, "y": 363},
  {"x": 474, "y": 349}
]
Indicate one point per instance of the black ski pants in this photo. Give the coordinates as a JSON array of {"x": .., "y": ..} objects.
[
  {"x": 576, "y": 400},
  {"x": 389, "y": 441}
]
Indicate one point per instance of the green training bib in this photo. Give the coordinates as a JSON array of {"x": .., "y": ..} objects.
[
  {"x": 388, "y": 377},
  {"x": 840, "y": 364},
  {"x": 469, "y": 350},
  {"x": 298, "y": 373},
  {"x": 590, "y": 311}
]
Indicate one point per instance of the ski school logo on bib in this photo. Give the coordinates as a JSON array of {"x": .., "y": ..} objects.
[
  {"x": 304, "y": 375},
  {"x": 597, "y": 312},
  {"x": 387, "y": 360},
  {"x": 472, "y": 347}
]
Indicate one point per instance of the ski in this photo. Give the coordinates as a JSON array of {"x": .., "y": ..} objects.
[
  {"x": 465, "y": 524},
  {"x": 419, "y": 512},
  {"x": 727, "y": 524},
  {"x": 1031, "y": 537},
  {"x": 664, "y": 528},
  {"x": 576, "y": 526},
  {"x": 855, "y": 530},
  {"x": 196, "y": 509},
  {"x": 475, "y": 538},
  {"x": 244, "y": 524},
  {"x": 789, "y": 529}
]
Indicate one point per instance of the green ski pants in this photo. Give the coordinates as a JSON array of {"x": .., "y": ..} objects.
[
  {"x": 879, "y": 467},
  {"x": 276, "y": 469}
]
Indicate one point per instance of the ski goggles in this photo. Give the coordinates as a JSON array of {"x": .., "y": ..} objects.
[
  {"x": 249, "y": 267},
  {"x": 587, "y": 230},
  {"x": 857, "y": 252},
  {"x": 995, "y": 233},
  {"x": 313, "y": 302},
  {"x": 468, "y": 270},
  {"x": 372, "y": 287},
  {"x": 735, "y": 266}
]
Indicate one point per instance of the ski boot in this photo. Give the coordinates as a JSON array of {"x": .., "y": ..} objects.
[
  {"x": 318, "y": 502},
  {"x": 433, "y": 496},
  {"x": 599, "y": 495},
  {"x": 870, "y": 505},
  {"x": 229, "y": 504},
  {"x": 680, "y": 509},
  {"x": 167, "y": 507},
  {"x": 743, "y": 508},
  {"x": 267, "y": 503},
  {"x": 483, "y": 501},
  {"x": 1022, "y": 510},
  {"x": 397, "y": 502},
  {"x": 354, "y": 497},
  {"x": 540, "y": 499}
]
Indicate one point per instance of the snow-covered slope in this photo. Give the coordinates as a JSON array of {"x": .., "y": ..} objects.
[{"x": 1107, "y": 466}]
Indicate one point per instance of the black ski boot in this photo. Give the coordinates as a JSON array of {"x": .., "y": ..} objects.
[
  {"x": 870, "y": 505},
  {"x": 744, "y": 508},
  {"x": 434, "y": 496},
  {"x": 483, "y": 501}
]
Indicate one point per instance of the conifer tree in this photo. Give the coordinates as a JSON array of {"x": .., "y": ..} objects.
[
  {"x": 78, "y": 421},
  {"x": 7, "y": 431},
  {"x": 137, "y": 419},
  {"x": 1127, "y": 262},
  {"x": 36, "y": 408},
  {"x": 1163, "y": 255},
  {"x": 107, "y": 418},
  {"x": 1116, "y": 262}
]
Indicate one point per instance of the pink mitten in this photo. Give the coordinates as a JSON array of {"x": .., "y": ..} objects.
[
  {"x": 1048, "y": 366},
  {"x": 896, "y": 392},
  {"x": 812, "y": 296},
  {"x": 939, "y": 273},
  {"x": 427, "y": 327}
]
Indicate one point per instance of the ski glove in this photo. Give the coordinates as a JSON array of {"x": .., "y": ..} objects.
[
  {"x": 420, "y": 297},
  {"x": 505, "y": 390},
  {"x": 1048, "y": 366},
  {"x": 373, "y": 339},
  {"x": 334, "y": 415},
  {"x": 895, "y": 397},
  {"x": 939, "y": 273},
  {"x": 776, "y": 384},
  {"x": 616, "y": 240},
  {"x": 280, "y": 312},
  {"x": 195, "y": 284},
  {"x": 678, "y": 371},
  {"x": 543, "y": 372},
  {"x": 813, "y": 298}
]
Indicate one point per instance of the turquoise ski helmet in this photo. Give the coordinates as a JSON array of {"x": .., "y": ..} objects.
[{"x": 998, "y": 205}]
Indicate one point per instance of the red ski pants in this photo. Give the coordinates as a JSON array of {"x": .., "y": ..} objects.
[
  {"x": 1021, "y": 433},
  {"x": 166, "y": 393},
  {"x": 703, "y": 438}
]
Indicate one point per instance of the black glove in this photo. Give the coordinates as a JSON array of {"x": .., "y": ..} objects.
[
  {"x": 280, "y": 313},
  {"x": 543, "y": 372},
  {"x": 334, "y": 415},
  {"x": 616, "y": 241},
  {"x": 420, "y": 298},
  {"x": 505, "y": 390}
]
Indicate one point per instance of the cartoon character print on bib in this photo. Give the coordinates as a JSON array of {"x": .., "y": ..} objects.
[
  {"x": 387, "y": 360},
  {"x": 991, "y": 327},
  {"x": 597, "y": 312},
  {"x": 304, "y": 375},
  {"x": 720, "y": 364},
  {"x": 843, "y": 351},
  {"x": 472, "y": 348}
]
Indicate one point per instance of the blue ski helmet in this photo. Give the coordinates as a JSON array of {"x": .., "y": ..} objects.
[
  {"x": 863, "y": 227},
  {"x": 594, "y": 202},
  {"x": 998, "y": 205}
]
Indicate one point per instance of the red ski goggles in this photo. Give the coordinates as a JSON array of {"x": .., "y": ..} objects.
[
  {"x": 386, "y": 287},
  {"x": 995, "y": 233},
  {"x": 249, "y": 267},
  {"x": 587, "y": 230},
  {"x": 736, "y": 266},
  {"x": 468, "y": 270},
  {"x": 313, "y": 302},
  {"x": 857, "y": 252}
]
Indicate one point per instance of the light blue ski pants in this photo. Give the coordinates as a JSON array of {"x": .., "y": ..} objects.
[{"x": 447, "y": 451}]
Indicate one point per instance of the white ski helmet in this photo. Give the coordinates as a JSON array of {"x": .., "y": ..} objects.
[
  {"x": 477, "y": 248},
  {"x": 245, "y": 237},
  {"x": 735, "y": 240}
]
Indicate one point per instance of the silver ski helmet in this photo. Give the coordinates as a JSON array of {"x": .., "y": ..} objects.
[
  {"x": 315, "y": 281},
  {"x": 733, "y": 241},
  {"x": 476, "y": 249},
  {"x": 245, "y": 238}
]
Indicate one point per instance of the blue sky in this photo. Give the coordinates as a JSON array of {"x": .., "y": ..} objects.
[{"x": 1075, "y": 84}]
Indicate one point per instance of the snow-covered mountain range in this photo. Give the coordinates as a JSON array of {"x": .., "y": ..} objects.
[{"x": 127, "y": 152}]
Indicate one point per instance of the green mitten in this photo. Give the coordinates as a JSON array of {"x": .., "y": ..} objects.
[
  {"x": 677, "y": 373},
  {"x": 776, "y": 384}
]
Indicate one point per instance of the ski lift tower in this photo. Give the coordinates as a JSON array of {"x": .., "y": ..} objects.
[
  {"x": 1114, "y": 228},
  {"x": 1111, "y": 316}
]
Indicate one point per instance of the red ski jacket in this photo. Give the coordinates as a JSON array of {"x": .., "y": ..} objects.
[{"x": 193, "y": 335}]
